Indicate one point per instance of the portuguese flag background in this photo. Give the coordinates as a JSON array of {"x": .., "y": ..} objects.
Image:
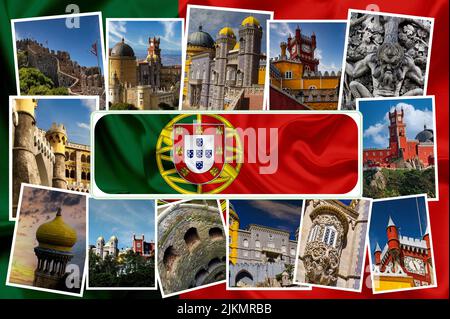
[
  {"x": 317, "y": 154},
  {"x": 305, "y": 9}
]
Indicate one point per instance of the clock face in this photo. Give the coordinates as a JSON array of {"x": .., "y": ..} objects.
[
  {"x": 414, "y": 265},
  {"x": 306, "y": 48}
]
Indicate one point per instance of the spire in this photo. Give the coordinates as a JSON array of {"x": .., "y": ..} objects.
[
  {"x": 427, "y": 231},
  {"x": 377, "y": 248},
  {"x": 391, "y": 222}
]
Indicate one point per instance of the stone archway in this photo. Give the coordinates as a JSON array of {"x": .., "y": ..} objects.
[{"x": 243, "y": 278}]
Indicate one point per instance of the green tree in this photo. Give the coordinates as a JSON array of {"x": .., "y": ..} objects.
[
  {"x": 22, "y": 59},
  {"x": 30, "y": 78}
]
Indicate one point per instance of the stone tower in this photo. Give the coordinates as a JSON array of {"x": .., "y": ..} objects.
[
  {"x": 56, "y": 239},
  {"x": 100, "y": 245},
  {"x": 250, "y": 35},
  {"x": 283, "y": 46},
  {"x": 25, "y": 168},
  {"x": 224, "y": 43},
  {"x": 57, "y": 137}
]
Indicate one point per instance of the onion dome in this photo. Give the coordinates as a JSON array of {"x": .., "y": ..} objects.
[
  {"x": 250, "y": 20},
  {"x": 122, "y": 49},
  {"x": 101, "y": 239},
  {"x": 200, "y": 39},
  {"x": 227, "y": 31},
  {"x": 56, "y": 234},
  {"x": 114, "y": 239},
  {"x": 426, "y": 135}
]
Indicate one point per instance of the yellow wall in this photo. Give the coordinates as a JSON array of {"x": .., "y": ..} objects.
[
  {"x": 298, "y": 82},
  {"x": 233, "y": 229},
  {"x": 383, "y": 283},
  {"x": 125, "y": 68},
  {"x": 261, "y": 76}
]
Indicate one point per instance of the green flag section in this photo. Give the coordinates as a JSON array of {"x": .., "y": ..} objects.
[
  {"x": 11, "y": 9},
  {"x": 254, "y": 153}
]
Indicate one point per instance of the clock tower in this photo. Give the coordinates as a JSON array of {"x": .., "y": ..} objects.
[
  {"x": 302, "y": 48},
  {"x": 397, "y": 133}
]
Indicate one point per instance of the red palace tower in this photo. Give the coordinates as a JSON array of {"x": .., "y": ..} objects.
[
  {"x": 143, "y": 248},
  {"x": 418, "y": 153}
]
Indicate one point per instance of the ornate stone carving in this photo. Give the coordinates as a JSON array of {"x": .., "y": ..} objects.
[
  {"x": 386, "y": 57},
  {"x": 321, "y": 263}
]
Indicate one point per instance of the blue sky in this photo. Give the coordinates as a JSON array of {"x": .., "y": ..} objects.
[
  {"x": 405, "y": 214},
  {"x": 54, "y": 34},
  {"x": 376, "y": 121},
  {"x": 330, "y": 38},
  {"x": 280, "y": 214},
  {"x": 121, "y": 218},
  {"x": 136, "y": 34},
  {"x": 214, "y": 20},
  {"x": 73, "y": 113}
]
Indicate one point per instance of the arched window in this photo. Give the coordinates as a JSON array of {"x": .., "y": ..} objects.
[
  {"x": 67, "y": 156},
  {"x": 313, "y": 233},
  {"x": 191, "y": 237},
  {"x": 245, "y": 241},
  {"x": 72, "y": 156},
  {"x": 88, "y": 159},
  {"x": 283, "y": 249},
  {"x": 330, "y": 236},
  {"x": 292, "y": 251},
  {"x": 257, "y": 244},
  {"x": 83, "y": 175},
  {"x": 67, "y": 173},
  {"x": 83, "y": 158},
  {"x": 88, "y": 176},
  {"x": 72, "y": 174}
]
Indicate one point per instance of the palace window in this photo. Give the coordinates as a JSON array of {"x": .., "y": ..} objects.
[
  {"x": 329, "y": 236},
  {"x": 313, "y": 233},
  {"x": 288, "y": 75},
  {"x": 257, "y": 244},
  {"x": 245, "y": 253},
  {"x": 283, "y": 249},
  {"x": 292, "y": 251},
  {"x": 257, "y": 254},
  {"x": 245, "y": 243}
]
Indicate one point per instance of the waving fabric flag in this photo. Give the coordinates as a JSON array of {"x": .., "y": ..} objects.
[{"x": 245, "y": 153}]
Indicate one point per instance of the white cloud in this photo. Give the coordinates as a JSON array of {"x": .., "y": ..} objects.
[
  {"x": 83, "y": 125},
  {"x": 282, "y": 29},
  {"x": 414, "y": 119},
  {"x": 91, "y": 104},
  {"x": 117, "y": 29},
  {"x": 378, "y": 134}
]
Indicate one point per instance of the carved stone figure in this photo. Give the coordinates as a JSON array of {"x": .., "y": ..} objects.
[{"x": 386, "y": 57}]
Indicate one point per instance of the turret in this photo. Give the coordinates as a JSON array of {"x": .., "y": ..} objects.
[
  {"x": 377, "y": 254},
  {"x": 297, "y": 33},
  {"x": 392, "y": 235},
  {"x": 23, "y": 159},
  {"x": 250, "y": 50},
  {"x": 283, "y": 46},
  {"x": 313, "y": 41},
  {"x": 57, "y": 137}
]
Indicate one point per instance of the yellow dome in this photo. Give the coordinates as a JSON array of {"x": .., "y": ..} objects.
[
  {"x": 250, "y": 20},
  {"x": 236, "y": 46},
  {"x": 227, "y": 31},
  {"x": 56, "y": 234}
]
